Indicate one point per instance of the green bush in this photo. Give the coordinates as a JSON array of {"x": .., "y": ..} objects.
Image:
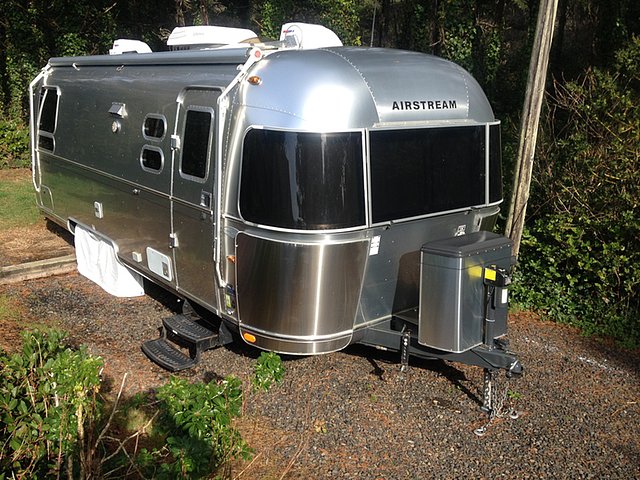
[
  {"x": 580, "y": 257},
  {"x": 14, "y": 143},
  {"x": 567, "y": 273},
  {"x": 47, "y": 395},
  {"x": 50, "y": 416},
  {"x": 196, "y": 423}
]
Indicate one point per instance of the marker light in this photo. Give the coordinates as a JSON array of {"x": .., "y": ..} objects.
[
  {"x": 248, "y": 337},
  {"x": 254, "y": 80}
]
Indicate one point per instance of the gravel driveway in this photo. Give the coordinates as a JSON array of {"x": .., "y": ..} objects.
[{"x": 353, "y": 414}]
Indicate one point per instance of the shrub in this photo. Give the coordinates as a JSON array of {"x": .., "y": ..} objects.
[
  {"x": 14, "y": 143},
  {"x": 197, "y": 424},
  {"x": 50, "y": 416},
  {"x": 580, "y": 257},
  {"x": 47, "y": 395}
]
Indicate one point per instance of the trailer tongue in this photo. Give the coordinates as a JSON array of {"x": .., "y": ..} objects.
[{"x": 304, "y": 195}]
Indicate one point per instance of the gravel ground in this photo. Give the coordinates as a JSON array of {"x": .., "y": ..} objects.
[{"x": 353, "y": 414}]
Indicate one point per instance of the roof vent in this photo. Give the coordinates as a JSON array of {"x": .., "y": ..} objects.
[
  {"x": 124, "y": 45},
  {"x": 307, "y": 36},
  {"x": 208, "y": 36}
]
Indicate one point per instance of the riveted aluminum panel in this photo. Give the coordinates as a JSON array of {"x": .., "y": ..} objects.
[{"x": 344, "y": 88}]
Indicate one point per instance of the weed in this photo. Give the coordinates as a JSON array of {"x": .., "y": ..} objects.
[
  {"x": 512, "y": 395},
  {"x": 267, "y": 371}
]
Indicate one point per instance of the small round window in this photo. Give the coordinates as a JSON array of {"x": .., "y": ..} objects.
[{"x": 154, "y": 127}]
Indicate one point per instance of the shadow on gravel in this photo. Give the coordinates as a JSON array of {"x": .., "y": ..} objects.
[
  {"x": 627, "y": 359},
  {"x": 439, "y": 367}
]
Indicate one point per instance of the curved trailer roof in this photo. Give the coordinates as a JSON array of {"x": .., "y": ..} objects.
[{"x": 329, "y": 88}]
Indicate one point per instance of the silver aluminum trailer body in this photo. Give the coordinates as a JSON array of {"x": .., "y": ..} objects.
[{"x": 290, "y": 193}]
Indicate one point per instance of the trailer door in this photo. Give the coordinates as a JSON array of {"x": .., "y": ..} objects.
[{"x": 192, "y": 204}]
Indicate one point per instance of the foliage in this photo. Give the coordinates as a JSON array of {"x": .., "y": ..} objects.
[
  {"x": 14, "y": 143},
  {"x": 267, "y": 371},
  {"x": 581, "y": 255},
  {"x": 47, "y": 393},
  {"x": 197, "y": 421},
  {"x": 341, "y": 16},
  {"x": 271, "y": 17},
  {"x": 36, "y": 30},
  {"x": 50, "y": 416}
]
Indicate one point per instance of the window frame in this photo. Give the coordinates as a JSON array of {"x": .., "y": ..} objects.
[
  {"x": 484, "y": 159},
  {"x": 490, "y": 167},
  {"x": 364, "y": 179},
  {"x": 44, "y": 95},
  {"x": 152, "y": 148},
  {"x": 210, "y": 143},
  {"x": 155, "y": 116}
]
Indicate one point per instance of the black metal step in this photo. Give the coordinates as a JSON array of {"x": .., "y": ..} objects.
[
  {"x": 194, "y": 331},
  {"x": 162, "y": 353}
]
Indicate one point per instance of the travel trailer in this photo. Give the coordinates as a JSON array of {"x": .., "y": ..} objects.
[{"x": 308, "y": 195}]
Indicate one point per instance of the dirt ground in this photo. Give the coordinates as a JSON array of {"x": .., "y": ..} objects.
[
  {"x": 353, "y": 414},
  {"x": 33, "y": 242}
]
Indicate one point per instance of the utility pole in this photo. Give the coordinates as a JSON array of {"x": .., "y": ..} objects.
[{"x": 530, "y": 120}]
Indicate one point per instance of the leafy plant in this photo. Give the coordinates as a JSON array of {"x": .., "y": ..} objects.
[
  {"x": 267, "y": 371},
  {"x": 197, "y": 421},
  {"x": 513, "y": 395},
  {"x": 47, "y": 395},
  {"x": 14, "y": 143},
  {"x": 580, "y": 260}
]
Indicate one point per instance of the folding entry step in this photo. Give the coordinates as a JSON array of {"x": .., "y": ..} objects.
[
  {"x": 161, "y": 352},
  {"x": 186, "y": 331}
]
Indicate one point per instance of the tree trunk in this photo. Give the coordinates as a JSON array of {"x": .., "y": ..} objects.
[{"x": 530, "y": 120}]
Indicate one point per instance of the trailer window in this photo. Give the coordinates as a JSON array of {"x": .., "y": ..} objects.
[
  {"x": 196, "y": 143},
  {"x": 49, "y": 110},
  {"x": 151, "y": 159},
  {"x": 48, "y": 116},
  {"x": 154, "y": 127},
  {"x": 421, "y": 171},
  {"x": 309, "y": 181}
]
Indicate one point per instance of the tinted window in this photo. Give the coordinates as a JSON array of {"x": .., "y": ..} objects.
[
  {"x": 49, "y": 110},
  {"x": 306, "y": 181},
  {"x": 154, "y": 127},
  {"x": 421, "y": 171},
  {"x": 195, "y": 148},
  {"x": 151, "y": 158},
  {"x": 45, "y": 142},
  {"x": 495, "y": 167}
]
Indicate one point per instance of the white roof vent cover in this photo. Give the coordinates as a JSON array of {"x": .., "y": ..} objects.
[
  {"x": 204, "y": 36},
  {"x": 125, "y": 45},
  {"x": 308, "y": 36}
]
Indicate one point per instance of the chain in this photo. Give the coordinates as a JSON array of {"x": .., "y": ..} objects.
[{"x": 498, "y": 409}]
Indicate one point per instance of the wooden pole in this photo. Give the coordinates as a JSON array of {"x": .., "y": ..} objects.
[{"x": 530, "y": 120}]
